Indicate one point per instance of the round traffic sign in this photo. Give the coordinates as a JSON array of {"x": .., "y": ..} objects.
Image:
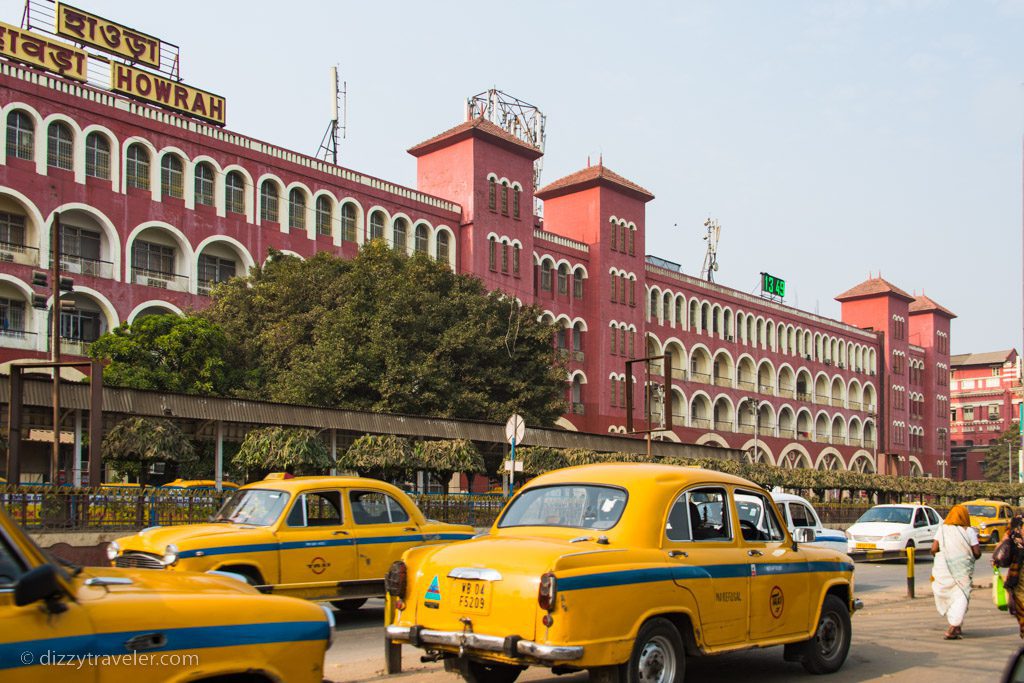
[{"x": 515, "y": 428}]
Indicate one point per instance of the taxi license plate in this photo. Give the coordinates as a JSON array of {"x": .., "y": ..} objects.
[
  {"x": 866, "y": 545},
  {"x": 472, "y": 596}
]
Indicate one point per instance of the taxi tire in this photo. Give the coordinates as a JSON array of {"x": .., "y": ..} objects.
[
  {"x": 658, "y": 632},
  {"x": 837, "y": 613},
  {"x": 350, "y": 605}
]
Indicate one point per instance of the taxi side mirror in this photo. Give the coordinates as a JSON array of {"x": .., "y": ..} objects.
[
  {"x": 803, "y": 535},
  {"x": 39, "y": 584}
]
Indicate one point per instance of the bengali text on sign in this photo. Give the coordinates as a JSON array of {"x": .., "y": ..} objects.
[
  {"x": 89, "y": 29},
  {"x": 32, "y": 48}
]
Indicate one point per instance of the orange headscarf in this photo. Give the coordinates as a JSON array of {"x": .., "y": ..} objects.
[{"x": 958, "y": 516}]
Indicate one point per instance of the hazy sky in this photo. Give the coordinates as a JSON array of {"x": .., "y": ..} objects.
[{"x": 830, "y": 139}]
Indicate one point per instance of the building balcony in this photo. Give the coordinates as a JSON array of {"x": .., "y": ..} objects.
[
  {"x": 745, "y": 384},
  {"x": 854, "y": 405},
  {"x": 75, "y": 347},
  {"x": 786, "y": 433},
  {"x": 723, "y": 382},
  {"x": 803, "y": 396},
  {"x": 74, "y": 264},
  {"x": 577, "y": 356},
  {"x": 746, "y": 429},
  {"x": 766, "y": 389},
  {"x": 18, "y": 253},
  {"x": 723, "y": 426},
  {"x": 700, "y": 377},
  {"x": 701, "y": 422},
  {"x": 160, "y": 279},
  {"x": 12, "y": 338},
  {"x": 786, "y": 390}
]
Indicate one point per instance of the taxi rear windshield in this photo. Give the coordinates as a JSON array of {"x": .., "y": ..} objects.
[
  {"x": 258, "y": 507},
  {"x": 981, "y": 510},
  {"x": 578, "y": 506}
]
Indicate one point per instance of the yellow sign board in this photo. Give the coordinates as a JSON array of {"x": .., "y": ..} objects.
[
  {"x": 36, "y": 50},
  {"x": 89, "y": 29},
  {"x": 167, "y": 93}
]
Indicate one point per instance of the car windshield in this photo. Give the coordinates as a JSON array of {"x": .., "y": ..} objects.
[
  {"x": 893, "y": 515},
  {"x": 258, "y": 507},
  {"x": 981, "y": 510},
  {"x": 580, "y": 506}
]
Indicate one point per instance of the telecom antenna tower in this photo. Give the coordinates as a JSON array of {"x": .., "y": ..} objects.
[
  {"x": 519, "y": 118},
  {"x": 711, "y": 256},
  {"x": 339, "y": 100}
]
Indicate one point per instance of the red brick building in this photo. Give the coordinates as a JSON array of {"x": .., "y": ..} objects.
[
  {"x": 156, "y": 207},
  {"x": 985, "y": 395}
]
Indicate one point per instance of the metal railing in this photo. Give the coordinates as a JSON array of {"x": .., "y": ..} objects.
[
  {"x": 156, "y": 278},
  {"x": 700, "y": 377},
  {"x": 700, "y": 422},
  {"x": 721, "y": 381},
  {"x": 84, "y": 265},
  {"x": 475, "y": 509},
  {"x": 11, "y": 252}
]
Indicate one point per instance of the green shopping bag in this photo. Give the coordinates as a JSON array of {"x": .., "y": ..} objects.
[{"x": 998, "y": 589}]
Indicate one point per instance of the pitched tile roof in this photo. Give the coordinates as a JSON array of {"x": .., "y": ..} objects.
[
  {"x": 873, "y": 287},
  {"x": 923, "y": 304},
  {"x": 480, "y": 127},
  {"x": 591, "y": 177},
  {"x": 986, "y": 358}
]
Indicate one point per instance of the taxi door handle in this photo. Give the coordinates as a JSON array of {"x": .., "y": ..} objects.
[
  {"x": 677, "y": 553},
  {"x": 409, "y": 528},
  {"x": 754, "y": 553},
  {"x": 339, "y": 532}
]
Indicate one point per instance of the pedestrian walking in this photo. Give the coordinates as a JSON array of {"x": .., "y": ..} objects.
[
  {"x": 1014, "y": 586},
  {"x": 955, "y": 548}
]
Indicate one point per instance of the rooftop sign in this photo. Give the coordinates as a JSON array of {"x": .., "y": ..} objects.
[
  {"x": 167, "y": 93},
  {"x": 108, "y": 36},
  {"x": 39, "y": 51}
]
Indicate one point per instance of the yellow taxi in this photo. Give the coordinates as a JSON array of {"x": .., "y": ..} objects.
[
  {"x": 625, "y": 570},
  {"x": 318, "y": 538},
  {"x": 110, "y": 625},
  {"x": 198, "y": 484},
  {"x": 990, "y": 517}
]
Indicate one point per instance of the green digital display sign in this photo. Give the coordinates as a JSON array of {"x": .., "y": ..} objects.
[{"x": 775, "y": 286}]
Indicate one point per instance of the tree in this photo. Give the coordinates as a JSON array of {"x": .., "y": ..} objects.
[
  {"x": 293, "y": 450},
  {"x": 997, "y": 461},
  {"x": 133, "y": 444},
  {"x": 389, "y": 457},
  {"x": 445, "y": 458},
  {"x": 187, "y": 354},
  {"x": 387, "y": 333}
]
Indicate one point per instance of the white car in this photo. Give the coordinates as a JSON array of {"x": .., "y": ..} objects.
[
  {"x": 894, "y": 527},
  {"x": 800, "y": 513}
]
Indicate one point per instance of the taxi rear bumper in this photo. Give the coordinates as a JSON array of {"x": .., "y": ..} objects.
[{"x": 511, "y": 645}]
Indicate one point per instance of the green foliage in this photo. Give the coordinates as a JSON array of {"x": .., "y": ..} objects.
[
  {"x": 386, "y": 333},
  {"x": 540, "y": 459},
  {"x": 134, "y": 443},
  {"x": 187, "y": 354},
  {"x": 445, "y": 458},
  {"x": 281, "y": 449},
  {"x": 998, "y": 467},
  {"x": 385, "y": 457}
]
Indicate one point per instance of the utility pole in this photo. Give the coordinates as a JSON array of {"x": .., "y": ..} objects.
[{"x": 55, "y": 342}]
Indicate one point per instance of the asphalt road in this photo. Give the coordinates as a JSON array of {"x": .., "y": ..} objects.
[{"x": 895, "y": 640}]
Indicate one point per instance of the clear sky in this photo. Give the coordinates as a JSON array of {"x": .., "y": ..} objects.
[{"x": 830, "y": 138}]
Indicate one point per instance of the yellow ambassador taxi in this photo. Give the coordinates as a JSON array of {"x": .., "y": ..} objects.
[
  {"x": 624, "y": 570},
  {"x": 990, "y": 517},
  {"x": 109, "y": 625},
  {"x": 318, "y": 538}
]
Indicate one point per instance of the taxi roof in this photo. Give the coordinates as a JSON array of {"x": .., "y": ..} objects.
[
  {"x": 985, "y": 501},
  {"x": 629, "y": 474},
  {"x": 302, "y": 483}
]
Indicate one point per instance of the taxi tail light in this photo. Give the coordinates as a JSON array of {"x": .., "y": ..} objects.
[
  {"x": 548, "y": 592},
  {"x": 396, "y": 579}
]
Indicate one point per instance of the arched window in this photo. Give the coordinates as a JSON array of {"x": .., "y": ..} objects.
[
  {"x": 234, "y": 192},
  {"x": 377, "y": 225},
  {"x": 97, "y": 156},
  {"x": 615, "y": 236},
  {"x": 204, "y": 184},
  {"x": 348, "y": 222},
  {"x": 622, "y": 238},
  {"x": 443, "y": 247},
  {"x": 172, "y": 176},
  {"x": 577, "y": 284},
  {"x": 515, "y": 259},
  {"x": 269, "y": 198},
  {"x": 136, "y": 169},
  {"x": 577, "y": 395},
  {"x": 577, "y": 337},
  {"x": 504, "y": 198},
  {"x": 324, "y": 215},
  {"x": 492, "y": 253},
  {"x": 545, "y": 276},
  {"x": 632, "y": 242},
  {"x": 504, "y": 257},
  {"x": 515, "y": 201},
  {"x": 422, "y": 243},
  {"x": 399, "y": 235},
  {"x": 563, "y": 279},
  {"x": 21, "y": 135},
  {"x": 492, "y": 194},
  {"x": 296, "y": 209},
  {"x": 59, "y": 146}
]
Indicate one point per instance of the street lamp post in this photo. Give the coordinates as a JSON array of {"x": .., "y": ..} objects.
[{"x": 755, "y": 405}]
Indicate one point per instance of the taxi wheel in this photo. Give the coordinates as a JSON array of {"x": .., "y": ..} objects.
[
  {"x": 350, "y": 605},
  {"x": 490, "y": 672},
  {"x": 658, "y": 654},
  {"x": 994, "y": 538},
  {"x": 826, "y": 651}
]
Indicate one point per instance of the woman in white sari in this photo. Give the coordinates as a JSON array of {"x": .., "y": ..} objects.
[{"x": 955, "y": 549}]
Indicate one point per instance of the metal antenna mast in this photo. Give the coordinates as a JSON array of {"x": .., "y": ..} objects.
[
  {"x": 711, "y": 256},
  {"x": 339, "y": 100},
  {"x": 519, "y": 118}
]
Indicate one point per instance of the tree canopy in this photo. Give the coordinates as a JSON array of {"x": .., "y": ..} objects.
[
  {"x": 186, "y": 354},
  {"x": 134, "y": 443},
  {"x": 269, "y": 449},
  {"x": 388, "y": 333},
  {"x": 996, "y": 459}
]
